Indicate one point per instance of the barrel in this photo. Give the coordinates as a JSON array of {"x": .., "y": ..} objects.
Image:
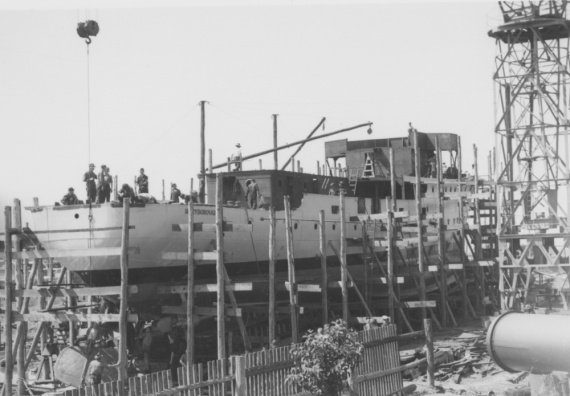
[{"x": 526, "y": 342}]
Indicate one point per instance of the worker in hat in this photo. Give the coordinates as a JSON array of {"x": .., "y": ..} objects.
[
  {"x": 70, "y": 198},
  {"x": 104, "y": 184},
  {"x": 142, "y": 182},
  {"x": 95, "y": 370},
  {"x": 236, "y": 158},
  {"x": 175, "y": 193},
  {"x": 90, "y": 179}
]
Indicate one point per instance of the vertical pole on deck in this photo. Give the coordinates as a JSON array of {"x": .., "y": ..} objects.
[
  {"x": 292, "y": 164},
  {"x": 344, "y": 274},
  {"x": 8, "y": 301},
  {"x": 22, "y": 328},
  {"x": 275, "y": 158},
  {"x": 191, "y": 185},
  {"x": 324, "y": 272},
  {"x": 429, "y": 352},
  {"x": 365, "y": 261},
  {"x": 202, "y": 192},
  {"x": 116, "y": 188},
  {"x": 441, "y": 238},
  {"x": 422, "y": 291},
  {"x": 298, "y": 166},
  {"x": 124, "y": 262},
  {"x": 318, "y": 168},
  {"x": 163, "y": 196},
  {"x": 462, "y": 231},
  {"x": 260, "y": 164},
  {"x": 190, "y": 289},
  {"x": 210, "y": 160},
  {"x": 390, "y": 258},
  {"x": 291, "y": 273},
  {"x": 271, "y": 275},
  {"x": 220, "y": 270},
  {"x": 70, "y": 302}
]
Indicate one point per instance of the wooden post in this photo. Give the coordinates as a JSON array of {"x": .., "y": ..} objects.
[
  {"x": 220, "y": 269},
  {"x": 191, "y": 185},
  {"x": 343, "y": 257},
  {"x": 291, "y": 267},
  {"x": 202, "y": 192},
  {"x": 462, "y": 231},
  {"x": 190, "y": 289},
  {"x": 324, "y": 272},
  {"x": 260, "y": 164},
  {"x": 390, "y": 258},
  {"x": 441, "y": 238},
  {"x": 299, "y": 166},
  {"x": 429, "y": 352},
  {"x": 210, "y": 163},
  {"x": 8, "y": 301},
  {"x": 271, "y": 275},
  {"x": 365, "y": 261},
  {"x": 318, "y": 168},
  {"x": 163, "y": 196},
  {"x": 292, "y": 164},
  {"x": 124, "y": 262},
  {"x": 275, "y": 161},
  {"x": 229, "y": 164},
  {"x": 422, "y": 291},
  {"x": 393, "y": 179},
  {"x": 21, "y": 330},
  {"x": 241, "y": 384},
  {"x": 478, "y": 235},
  {"x": 70, "y": 301},
  {"x": 42, "y": 301}
]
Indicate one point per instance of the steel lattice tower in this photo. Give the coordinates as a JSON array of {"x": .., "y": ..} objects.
[{"x": 532, "y": 173}]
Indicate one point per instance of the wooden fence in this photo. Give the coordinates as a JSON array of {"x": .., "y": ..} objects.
[{"x": 263, "y": 373}]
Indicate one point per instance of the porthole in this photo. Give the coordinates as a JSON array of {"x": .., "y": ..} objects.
[
  {"x": 295, "y": 226},
  {"x": 315, "y": 226},
  {"x": 334, "y": 227},
  {"x": 355, "y": 227},
  {"x": 76, "y": 215}
]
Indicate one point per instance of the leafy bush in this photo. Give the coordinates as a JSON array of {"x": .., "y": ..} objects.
[{"x": 325, "y": 359}]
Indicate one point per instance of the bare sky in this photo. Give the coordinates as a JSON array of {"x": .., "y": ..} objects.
[{"x": 429, "y": 63}]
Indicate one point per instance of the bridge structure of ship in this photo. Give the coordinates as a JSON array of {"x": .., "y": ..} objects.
[{"x": 397, "y": 247}]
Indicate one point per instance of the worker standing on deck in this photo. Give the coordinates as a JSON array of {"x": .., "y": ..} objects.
[
  {"x": 252, "y": 193},
  {"x": 142, "y": 182},
  {"x": 95, "y": 371},
  {"x": 175, "y": 193},
  {"x": 105, "y": 183},
  {"x": 70, "y": 198},
  {"x": 90, "y": 183},
  {"x": 236, "y": 158}
]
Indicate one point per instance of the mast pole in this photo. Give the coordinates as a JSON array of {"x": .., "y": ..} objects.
[{"x": 203, "y": 153}]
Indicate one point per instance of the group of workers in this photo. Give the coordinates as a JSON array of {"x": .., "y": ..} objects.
[{"x": 99, "y": 186}]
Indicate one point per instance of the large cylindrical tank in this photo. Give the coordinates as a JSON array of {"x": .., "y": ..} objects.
[{"x": 526, "y": 342}]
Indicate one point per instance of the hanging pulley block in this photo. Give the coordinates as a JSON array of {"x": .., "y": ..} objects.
[{"x": 87, "y": 29}]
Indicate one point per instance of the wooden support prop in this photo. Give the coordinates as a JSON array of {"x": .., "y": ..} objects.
[
  {"x": 291, "y": 267},
  {"x": 441, "y": 238},
  {"x": 395, "y": 280},
  {"x": 324, "y": 272},
  {"x": 305, "y": 288},
  {"x": 422, "y": 287},
  {"x": 419, "y": 304},
  {"x": 271, "y": 275},
  {"x": 239, "y": 372},
  {"x": 124, "y": 263},
  {"x": 220, "y": 269},
  {"x": 74, "y": 317},
  {"x": 48, "y": 291},
  {"x": 202, "y": 311},
  {"x": 364, "y": 304},
  {"x": 22, "y": 326},
  {"x": 390, "y": 255},
  {"x": 8, "y": 357},
  {"x": 343, "y": 259},
  {"x": 429, "y": 352},
  {"x": 190, "y": 289},
  {"x": 462, "y": 232}
]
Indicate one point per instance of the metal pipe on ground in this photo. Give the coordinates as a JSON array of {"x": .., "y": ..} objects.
[{"x": 525, "y": 342}]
